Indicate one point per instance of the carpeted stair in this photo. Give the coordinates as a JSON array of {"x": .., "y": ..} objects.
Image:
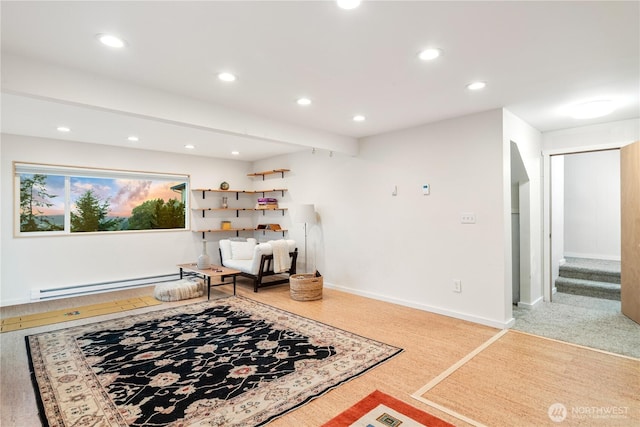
[{"x": 590, "y": 277}]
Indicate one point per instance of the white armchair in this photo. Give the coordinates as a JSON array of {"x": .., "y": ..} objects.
[{"x": 256, "y": 260}]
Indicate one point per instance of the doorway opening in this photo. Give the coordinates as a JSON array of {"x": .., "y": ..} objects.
[
  {"x": 584, "y": 225},
  {"x": 585, "y": 229}
]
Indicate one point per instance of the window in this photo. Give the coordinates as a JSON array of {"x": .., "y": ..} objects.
[{"x": 54, "y": 200}]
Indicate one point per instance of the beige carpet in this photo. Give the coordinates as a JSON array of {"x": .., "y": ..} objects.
[{"x": 591, "y": 322}]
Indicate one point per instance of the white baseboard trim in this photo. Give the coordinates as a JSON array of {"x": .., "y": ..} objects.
[
  {"x": 509, "y": 324},
  {"x": 424, "y": 307},
  {"x": 530, "y": 304}
]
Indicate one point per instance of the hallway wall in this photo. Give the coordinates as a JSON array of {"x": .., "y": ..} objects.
[{"x": 592, "y": 205}]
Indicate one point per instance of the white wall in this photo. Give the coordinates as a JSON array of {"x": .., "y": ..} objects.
[
  {"x": 52, "y": 261},
  {"x": 406, "y": 248},
  {"x": 409, "y": 248},
  {"x": 593, "y": 137},
  {"x": 592, "y": 205},
  {"x": 529, "y": 143}
]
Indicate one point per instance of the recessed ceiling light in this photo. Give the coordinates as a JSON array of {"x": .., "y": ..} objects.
[
  {"x": 133, "y": 138},
  {"x": 348, "y": 4},
  {"x": 359, "y": 118},
  {"x": 189, "y": 146},
  {"x": 476, "y": 85},
  {"x": 235, "y": 153},
  {"x": 111, "y": 40},
  {"x": 227, "y": 77},
  {"x": 591, "y": 109},
  {"x": 303, "y": 101},
  {"x": 63, "y": 129},
  {"x": 429, "y": 54}
]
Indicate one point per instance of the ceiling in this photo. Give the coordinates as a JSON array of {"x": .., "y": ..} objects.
[{"x": 536, "y": 58}]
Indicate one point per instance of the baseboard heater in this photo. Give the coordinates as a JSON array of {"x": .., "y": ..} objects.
[{"x": 94, "y": 288}]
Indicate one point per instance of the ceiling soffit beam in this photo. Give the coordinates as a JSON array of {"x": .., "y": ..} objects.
[{"x": 28, "y": 77}]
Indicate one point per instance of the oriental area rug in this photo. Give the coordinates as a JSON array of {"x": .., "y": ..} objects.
[
  {"x": 381, "y": 410},
  {"x": 228, "y": 362}
]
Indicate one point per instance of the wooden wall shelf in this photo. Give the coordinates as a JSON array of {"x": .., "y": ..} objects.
[
  {"x": 237, "y": 210},
  {"x": 238, "y": 230},
  {"x": 263, "y": 174},
  {"x": 237, "y": 192},
  {"x": 204, "y": 192}
]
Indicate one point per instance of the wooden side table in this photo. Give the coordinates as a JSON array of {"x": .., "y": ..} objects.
[{"x": 207, "y": 274}]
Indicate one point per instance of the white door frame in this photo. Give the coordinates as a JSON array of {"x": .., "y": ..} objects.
[{"x": 546, "y": 205}]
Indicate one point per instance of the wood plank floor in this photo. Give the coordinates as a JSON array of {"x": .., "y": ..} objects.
[
  {"x": 431, "y": 343},
  {"x": 524, "y": 375}
]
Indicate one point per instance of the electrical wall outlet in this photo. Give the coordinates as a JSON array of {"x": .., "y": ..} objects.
[
  {"x": 468, "y": 218},
  {"x": 457, "y": 285}
]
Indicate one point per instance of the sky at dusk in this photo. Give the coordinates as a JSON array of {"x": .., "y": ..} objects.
[{"x": 123, "y": 194}]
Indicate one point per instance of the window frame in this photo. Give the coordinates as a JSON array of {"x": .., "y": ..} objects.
[{"x": 70, "y": 172}]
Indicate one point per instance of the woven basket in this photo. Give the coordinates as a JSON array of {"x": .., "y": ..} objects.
[{"x": 305, "y": 287}]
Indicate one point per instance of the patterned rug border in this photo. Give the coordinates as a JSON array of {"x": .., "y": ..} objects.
[
  {"x": 125, "y": 321},
  {"x": 311, "y": 398},
  {"x": 34, "y": 384},
  {"x": 32, "y": 372}
]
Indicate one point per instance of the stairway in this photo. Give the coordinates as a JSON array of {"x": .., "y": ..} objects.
[{"x": 590, "y": 277}]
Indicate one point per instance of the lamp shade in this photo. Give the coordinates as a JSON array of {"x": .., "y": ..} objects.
[{"x": 306, "y": 214}]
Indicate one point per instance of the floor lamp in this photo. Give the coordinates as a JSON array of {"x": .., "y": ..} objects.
[{"x": 306, "y": 214}]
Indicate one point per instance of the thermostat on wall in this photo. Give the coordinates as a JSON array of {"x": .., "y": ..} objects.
[{"x": 426, "y": 189}]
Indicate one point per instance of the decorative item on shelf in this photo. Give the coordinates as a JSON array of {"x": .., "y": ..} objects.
[
  {"x": 267, "y": 203},
  {"x": 204, "y": 262},
  {"x": 225, "y": 202},
  {"x": 273, "y": 227},
  {"x": 225, "y": 225},
  {"x": 224, "y": 185}
]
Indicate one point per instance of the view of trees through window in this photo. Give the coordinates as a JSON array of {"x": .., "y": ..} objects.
[{"x": 73, "y": 204}]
